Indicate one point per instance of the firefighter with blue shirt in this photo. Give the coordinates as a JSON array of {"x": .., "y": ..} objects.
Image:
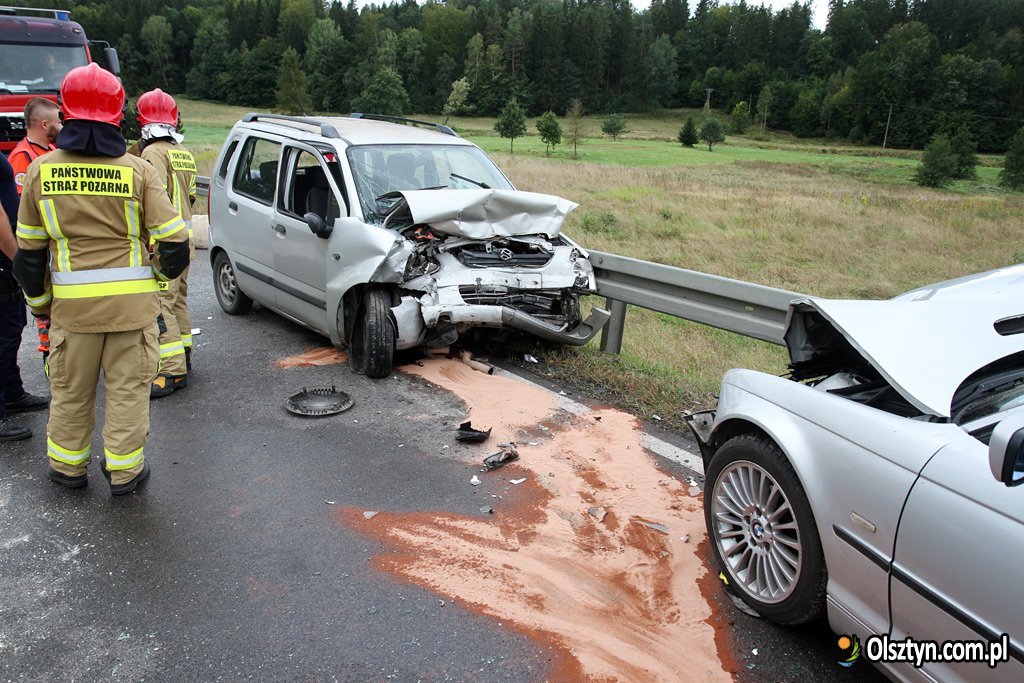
[
  {"x": 161, "y": 146},
  {"x": 88, "y": 211}
]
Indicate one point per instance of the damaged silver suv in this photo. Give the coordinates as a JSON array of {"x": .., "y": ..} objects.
[{"x": 385, "y": 234}]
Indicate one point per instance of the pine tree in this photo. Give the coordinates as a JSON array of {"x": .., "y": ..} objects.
[
  {"x": 711, "y": 132},
  {"x": 511, "y": 122},
  {"x": 688, "y": 133},
  {"x": 614, "y": 125},
  {"x": 1012, "y": 175},
  {"x": 549, "y": 129},
  {"x": 292, "y": 96},
  {"x": 740, "y": 118},
  {"x": 938, "y": 164},
  {"x": 965, "y": 150}
]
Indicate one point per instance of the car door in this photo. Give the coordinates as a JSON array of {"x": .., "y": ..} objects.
[
  {"x": 247, "y": 231},
  {"x": 957, "y": 569},
  {"x": 301, "y": 257}
]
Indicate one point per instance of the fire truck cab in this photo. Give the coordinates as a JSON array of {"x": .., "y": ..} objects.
[{"x": 37, "y": 48}]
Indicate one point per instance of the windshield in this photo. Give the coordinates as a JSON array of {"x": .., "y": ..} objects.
[
  {"x": 994, "y": 388},
  {"x": 37, "y": 68},
  {"x": 382, "y": 169}
]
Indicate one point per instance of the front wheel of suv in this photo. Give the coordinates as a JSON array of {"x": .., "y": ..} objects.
[
  {"x": 230, "y": 297},
  {"x": 372, "y": 348}
]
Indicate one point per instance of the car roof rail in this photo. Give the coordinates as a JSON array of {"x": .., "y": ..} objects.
[
  {"x": 440, "y": 127},
  {"x": 326, "y": 129}
]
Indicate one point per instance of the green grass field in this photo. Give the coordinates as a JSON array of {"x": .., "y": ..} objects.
[{"x": 807, "y": 216}]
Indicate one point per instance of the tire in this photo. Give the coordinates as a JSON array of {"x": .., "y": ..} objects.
[
  {"x": 230, "y": 297},
  {"x": 758, "y": 517},
  {"x": 372, "y": 349}
]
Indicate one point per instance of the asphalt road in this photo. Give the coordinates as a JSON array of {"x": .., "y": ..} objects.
[{"x": 231, "y": 564}]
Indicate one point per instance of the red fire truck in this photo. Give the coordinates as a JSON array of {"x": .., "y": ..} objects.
[{"x": 37, "y": 47}]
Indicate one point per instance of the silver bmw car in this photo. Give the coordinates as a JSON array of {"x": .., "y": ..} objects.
[{"x": 876, "y": 482}]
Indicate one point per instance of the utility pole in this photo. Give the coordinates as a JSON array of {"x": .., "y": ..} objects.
[
  {"x": 707, "y": 102},
  {"x": 886, "y": 138}
]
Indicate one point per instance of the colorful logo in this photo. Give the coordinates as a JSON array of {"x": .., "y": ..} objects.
[{"x": 849, "y": 650}]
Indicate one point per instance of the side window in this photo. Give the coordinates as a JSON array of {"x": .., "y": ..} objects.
[
  {"x": 222, "y": 172},
  {"x": 256, "y": 172},
  {"x": 308, "y": 189}
]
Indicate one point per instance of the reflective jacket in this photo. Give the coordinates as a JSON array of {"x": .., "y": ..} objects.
[
  {"x": 23, "y": 154},
  {"x": 176, "y": 169},
  {"x": 95, "y": 217}
]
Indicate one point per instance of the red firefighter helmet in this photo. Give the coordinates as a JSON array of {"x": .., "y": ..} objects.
[
  {"x": 156, "y": 106},
  {"x": 92, "y": 93}
]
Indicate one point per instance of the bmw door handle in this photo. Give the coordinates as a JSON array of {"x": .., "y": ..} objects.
[
  {"x": 233, "y": 206},
  {"x": 279, "y": 229}
]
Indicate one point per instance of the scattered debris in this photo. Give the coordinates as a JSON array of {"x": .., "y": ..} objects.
[
  {"x": 562, "y": 393},
  {"x": 754, "y": 652},
  {"x": 329, "y": 502},
  {"x": 517, "y": 481},
  {"x": 692, "y": 481},
  {"x": 475, "y": 481},
  {"x": 598, "y": 513},
  {"x": 467, "y": 434},
  {"x": 597, "y": 418},
  {"x": 653, "y": 525},
  {"x": 694, "y": 491},
  {"x": 744, "y": 607},
  {"x": 685, "y": 538},
  {"x": 467, "y": 358},
  {"x": 656, "y": 418},
  {"x": 319, "y": 401},
  {"x": 196, "y": 331},
  {"x": 507, "y": 454},
  {"x": 487, "y": 510},
  {"x": 530, "y": 359},
  {"x": 724, "y": 578},
  {"x": 370, "y": 514}
]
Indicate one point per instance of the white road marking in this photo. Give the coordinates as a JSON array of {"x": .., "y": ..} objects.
[{"x": 652, "y": 443}]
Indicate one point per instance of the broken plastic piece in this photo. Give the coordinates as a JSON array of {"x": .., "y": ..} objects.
[
  {"x": 530, "y": 359},
  {"x": 196, "y": 331},
  {"x": 487, "y": 510},
  {"x": 369, "y": 514},
  {"x": 598, "y": 513},
  {"x": 467, "y": 434},
  {"x": 517, "y": 481},
  {"x": 319, "y": 401},
  {"x": 724, "y": 578},
  {"x": 744, "y": 607},
  {"x": 507, "y": 454},
  {"x": 653, "y": 525},
  {"x": 475, "y": 481},
  {"x": 329, "y": 502}
]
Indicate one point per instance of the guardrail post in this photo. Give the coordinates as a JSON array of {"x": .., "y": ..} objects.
[{"x": 611, "y": 335}]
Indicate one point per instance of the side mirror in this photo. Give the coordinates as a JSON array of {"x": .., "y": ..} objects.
[
  {"x": 318, "y": 225},
  {"x": 1006, "y": 451},
  {"x": 112, "y": 60}
]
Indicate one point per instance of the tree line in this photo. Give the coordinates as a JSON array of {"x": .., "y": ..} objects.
[{"x": 896, "y": 72}]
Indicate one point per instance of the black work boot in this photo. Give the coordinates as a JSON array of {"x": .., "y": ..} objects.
[
  {"x": 188, "y": 359},
  {"x": 165, "y": 385},
  {"x": 13, "y": 432},
  {"x": 128, "y": 486},
  {"x": 27, "y": 402},
  {"x": 65, "y": 480}
]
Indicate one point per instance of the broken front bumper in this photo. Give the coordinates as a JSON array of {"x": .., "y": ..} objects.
[{"x": 413, "y": 319}]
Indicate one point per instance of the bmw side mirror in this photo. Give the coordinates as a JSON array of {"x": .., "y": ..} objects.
[
  {"x": 318, "y": 225},
  {"x": 1006, "y": 451}
]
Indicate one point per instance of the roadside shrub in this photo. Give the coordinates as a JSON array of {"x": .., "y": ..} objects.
[
  {"x": 688, "y": 133},
  {"x": 1012, "y": 175}
]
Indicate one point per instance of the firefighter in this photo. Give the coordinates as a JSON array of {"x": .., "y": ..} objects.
[
  {"x": 161, "y": 146},
  {"x": 87, "y": 214},
  {"x": 42, "y": 125}
]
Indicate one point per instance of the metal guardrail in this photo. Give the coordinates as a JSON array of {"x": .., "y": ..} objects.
[{"x": 742, "y": 307}]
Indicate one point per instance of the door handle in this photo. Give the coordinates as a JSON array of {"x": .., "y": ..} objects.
[
  {"x": 233, "y": 206},
  {"x": 279, "y": 229}
]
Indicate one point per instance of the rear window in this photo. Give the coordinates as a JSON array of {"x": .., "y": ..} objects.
[{"x": 256, "y": 172}]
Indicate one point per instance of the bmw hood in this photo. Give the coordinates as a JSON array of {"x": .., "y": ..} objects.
[
  {"x": 926, "y": 342},
  {"x": 482, "y": 214}
]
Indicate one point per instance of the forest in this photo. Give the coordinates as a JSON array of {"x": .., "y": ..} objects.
[{"x": 898, "y": 71}]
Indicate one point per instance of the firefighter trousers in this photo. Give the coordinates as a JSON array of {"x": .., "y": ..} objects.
[
  {"x": 176, "y": 332},
  {"x": 129, "y": 363}
]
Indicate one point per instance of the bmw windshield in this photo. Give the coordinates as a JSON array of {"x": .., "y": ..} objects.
[{"x": 380, "y": 170}]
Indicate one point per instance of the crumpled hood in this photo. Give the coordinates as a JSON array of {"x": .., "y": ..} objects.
[
  {"x": 482, "y": 214},
  {"x": 926, "y": 342}
]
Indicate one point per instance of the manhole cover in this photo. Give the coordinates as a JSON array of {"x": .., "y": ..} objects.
[{"x": 319, "y": 401}]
